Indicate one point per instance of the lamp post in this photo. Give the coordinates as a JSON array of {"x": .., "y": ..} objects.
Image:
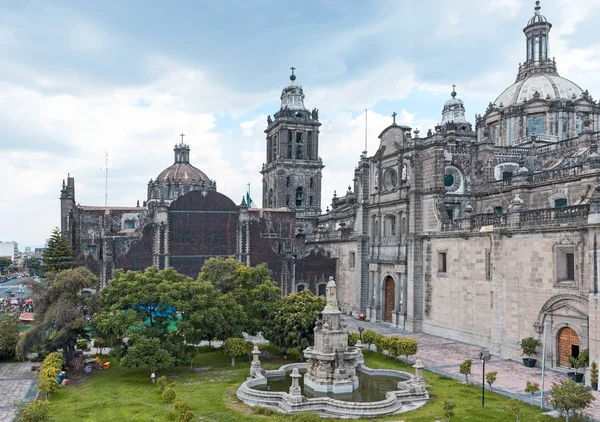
[{"x": 484, "y": 356}]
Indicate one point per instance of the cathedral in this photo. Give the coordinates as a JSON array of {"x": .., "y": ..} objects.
[{"x": 485, "y": 233}]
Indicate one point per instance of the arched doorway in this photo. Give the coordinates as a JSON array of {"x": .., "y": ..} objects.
[
  {"x": 389, "y": 299},
  {"x": 568, "y": 345}
]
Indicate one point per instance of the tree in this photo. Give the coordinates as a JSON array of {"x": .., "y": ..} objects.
[
  {"x": 183, "y": 412},
  {"x": 148, "y": 351},
  {"x": 465, "y": 369},
  {"x": 569, "y": 396},
  {"x": 532, "y": 388},
  {"x": 169, "y": 396},
  {"x": 369, "y": 337},
  {"x": 235, "y": 347},
  {"x": 9, "y": 334},
  {"x": 515, "y": 407},
  {"x": 250, "y": 288},
  {"x": 61, "y": 312},
  {"x": 353, "y": 339},
  {"x": 143, "y": 306},
  {"x": 34, "y": 264},
  {"x": 291, "y": 321},
  {"x": 490, "y": 378},
  {"x": 5, "y": 263},
  {"x": 59, "y": 255},
  {"x": 448, "y": 408},
  {"x": 35, "y": 411}
]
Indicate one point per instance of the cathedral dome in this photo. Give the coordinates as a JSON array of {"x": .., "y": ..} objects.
[
  {"x": 179, "y": 178},
  {"x": 550, "y": 87}
]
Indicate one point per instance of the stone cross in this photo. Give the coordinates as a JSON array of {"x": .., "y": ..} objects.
[
  {"x": 293, "y": 68},
  {"x": 394, "y": 114},
  {"x": 182, "y": 135}
]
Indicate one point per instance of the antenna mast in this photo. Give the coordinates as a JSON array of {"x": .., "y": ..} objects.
[{"x": 106, "y": 179}]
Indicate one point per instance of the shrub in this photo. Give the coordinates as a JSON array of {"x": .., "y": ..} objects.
[
  {"x": 162, "y": 383},
  {"x": 82, "y": 345},
  {"x": 448, "y": 408},
  {"x": 35, "y": 411},
  {"x": 532, "y": 388},
  {"x": 353, "y": 339},
  {"x": 265, "y": 411},
  {"x": 568, "y": 396},
  {"x": 490, "y": 378},
  {"x": 369, "y": 338},
  {"x": 515, "y": 407},
  {"x": 183, "y": 412},
  {"x": 465, "y": 369},
  {"x": 48, "y": 376},
  {"x": 529, "y": 346},
  {"x": 381, "y": 343},
  {"x": 169, "y": 396},
  {"x": 594, "y": 373}
]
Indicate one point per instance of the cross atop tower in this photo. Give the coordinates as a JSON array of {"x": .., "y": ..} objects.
[
  {"x": 394, "y": 114},
  {"x": 182, "y": 135},
  {"x": 292, "y": 76},
  {"x": 453, "y": 90},
  {"x": 537, "y": 7}
]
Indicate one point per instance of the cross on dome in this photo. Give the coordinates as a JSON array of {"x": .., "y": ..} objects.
[
  {"x": 394, "y": 114},
  {"x": 537, "y": 7},
  {"x": 292, "y": 76},
  {"x": 182, "y": 135},
  {"x": 453, "y": 90}
]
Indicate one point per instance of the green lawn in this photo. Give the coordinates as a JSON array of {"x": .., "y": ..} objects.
[{"x": 119, "y": 394}]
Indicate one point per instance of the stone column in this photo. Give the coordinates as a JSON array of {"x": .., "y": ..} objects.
[
  {"x": 397, "y": 292},
  {"x": 377, "y": 295},
  {"x": 166, "y": 242}
]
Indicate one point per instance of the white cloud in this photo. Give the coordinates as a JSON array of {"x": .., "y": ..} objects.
[{"x": 85, "y": 36}]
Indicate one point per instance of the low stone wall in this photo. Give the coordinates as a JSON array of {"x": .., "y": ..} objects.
[{"x": 395, "y": 402}]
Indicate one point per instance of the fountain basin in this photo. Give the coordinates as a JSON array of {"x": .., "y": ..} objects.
[{"x": 400, "y": 399}]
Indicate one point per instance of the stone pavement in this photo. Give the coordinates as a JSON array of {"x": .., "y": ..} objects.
[
  {"x": 16, "y": 383},
  {"x": 444, "y": 356}
]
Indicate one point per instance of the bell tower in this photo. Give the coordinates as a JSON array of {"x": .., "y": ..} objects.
[{"x": 292, "y": 171}]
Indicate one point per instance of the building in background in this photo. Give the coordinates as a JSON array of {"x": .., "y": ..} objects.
[{"x": 9, "y": 250}]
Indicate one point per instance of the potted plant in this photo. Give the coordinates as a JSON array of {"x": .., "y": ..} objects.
[
  {"x": 580, "y": 361},
  {"x": 529, "y": 347},
  {"x": 594, "y": 376}
]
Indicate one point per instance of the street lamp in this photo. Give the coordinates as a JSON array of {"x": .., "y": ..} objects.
[{"x": 484, "y": 356}]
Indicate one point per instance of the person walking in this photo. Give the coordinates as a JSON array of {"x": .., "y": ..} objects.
[{"x": 153, "y": 377}]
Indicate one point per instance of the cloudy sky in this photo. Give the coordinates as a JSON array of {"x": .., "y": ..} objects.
[{"x": 81, "y": 78}]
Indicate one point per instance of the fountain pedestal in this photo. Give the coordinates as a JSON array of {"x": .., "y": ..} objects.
[{"x": 331, "y": 362}]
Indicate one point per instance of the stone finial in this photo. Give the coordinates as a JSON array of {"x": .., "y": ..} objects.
[
  {"x": 255, "y": 367},
  {"x": 295, "y": 388},
  {"x": 331, "y": 297}
]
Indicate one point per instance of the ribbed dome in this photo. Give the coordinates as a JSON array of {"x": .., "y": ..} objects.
[
  {"x": 548, "y": 86},
  {"x": 182, "y": 172},
  {"x": 537, "y": 19}
]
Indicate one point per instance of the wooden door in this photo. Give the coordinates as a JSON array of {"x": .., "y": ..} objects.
[
  {"x": 567, "y": 338},
  {"x": 390, "y": 296}
]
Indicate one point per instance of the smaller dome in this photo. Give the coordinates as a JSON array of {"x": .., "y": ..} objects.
[
  {"x": 537, "y": 17},
  {"x": 454, "y": 110}
]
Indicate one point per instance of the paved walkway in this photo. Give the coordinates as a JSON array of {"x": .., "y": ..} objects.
[
  {"x": 444, "y": 356},
  {"x": 16, "y": 383}
]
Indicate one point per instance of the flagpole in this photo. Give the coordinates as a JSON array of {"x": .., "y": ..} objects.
[{"x": 248, "y": 188}]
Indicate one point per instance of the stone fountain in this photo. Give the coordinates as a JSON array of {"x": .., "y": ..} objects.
[
  {"x": 332, "y": 377},
  {"x": 331, "y": 362}
]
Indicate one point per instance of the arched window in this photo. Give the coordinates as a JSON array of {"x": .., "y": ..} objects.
[
  {"x": 299, "y": 196},
  {"x": 311, "y": 183},
  {"x": 271, "y": 198},
  {"x": 390, "y": 225},
  {"x": 321, "y": 289},
  {"x": 287, "y": 182}
]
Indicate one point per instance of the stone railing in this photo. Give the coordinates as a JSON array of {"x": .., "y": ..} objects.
[
  {"x": 512, "y": 151},
  {"x": 459, "y": 149},
  {"x": 560, "y": 173},
  {"x": 545, "y": 217},
  {"x": 395, "y": 401}
]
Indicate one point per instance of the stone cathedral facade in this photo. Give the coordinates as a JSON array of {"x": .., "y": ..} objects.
[{"x": 483, "y": 233}]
